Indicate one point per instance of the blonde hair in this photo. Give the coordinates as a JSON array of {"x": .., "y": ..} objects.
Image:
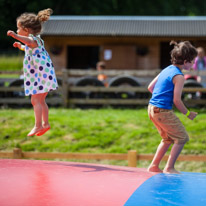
[
  {"x": 33, "y": 21},
  {"x": 183, "y": 51},
  {"x": 200, "y": 50}
]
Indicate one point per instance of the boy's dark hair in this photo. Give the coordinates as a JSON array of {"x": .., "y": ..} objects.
[{"x": 182, "y": 51}]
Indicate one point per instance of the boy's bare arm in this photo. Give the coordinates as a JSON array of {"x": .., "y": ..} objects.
[
  {"x": 152, "y": 84},
  {"x": 178, "y": 87},
  {"x": 24, "y": 39}
]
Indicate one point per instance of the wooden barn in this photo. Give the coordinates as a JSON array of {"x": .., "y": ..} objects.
[{"x": 123, "y": 42}]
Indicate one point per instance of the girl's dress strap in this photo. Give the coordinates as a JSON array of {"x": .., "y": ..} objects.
[{"x": 37, "y": 39}]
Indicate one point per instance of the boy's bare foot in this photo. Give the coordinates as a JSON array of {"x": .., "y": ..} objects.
[
  {"x": 171, "y": 171},
  {"x": 34, "y": 131},
  {"x": 154, "y": 168},
  {"x": 44, "y": 130}
]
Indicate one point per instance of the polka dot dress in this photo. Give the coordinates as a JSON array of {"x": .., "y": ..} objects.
[{"x": 39, "y": 74}]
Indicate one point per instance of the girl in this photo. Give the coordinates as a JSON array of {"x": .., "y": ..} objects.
[
  {"x": 166, "y": 90},
  {"x": 39, "y": 75}
]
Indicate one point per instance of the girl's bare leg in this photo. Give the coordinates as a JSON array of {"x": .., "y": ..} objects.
[
  {"x": 35, "y": 100},
  {"x": 45, "y": 115},
  {"x": 161, "y": 150},
  {"x": 175, "y": 151},
  {"x": 45, "y": 111}
]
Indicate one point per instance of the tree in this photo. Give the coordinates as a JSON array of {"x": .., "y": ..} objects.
[{"x": 11, "y": 9}]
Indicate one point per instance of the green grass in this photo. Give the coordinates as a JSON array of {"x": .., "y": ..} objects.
[
  {"x": 11, "y": 63},
  {"x": 98, "y": 131}
]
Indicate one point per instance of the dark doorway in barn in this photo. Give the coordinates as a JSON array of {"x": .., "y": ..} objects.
[
  {"x": 165, "y": 58},
  {"x": 82, "y": 57}
]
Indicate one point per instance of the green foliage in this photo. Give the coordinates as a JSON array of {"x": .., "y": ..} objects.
[
  {"x": 97, "y": 131},
  {"x": 11, "y": 9},
  {"x": 11, "y": 63}
]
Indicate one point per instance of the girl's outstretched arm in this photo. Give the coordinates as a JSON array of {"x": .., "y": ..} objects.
[
  {"x": 29, "y": 41},
  {"x": 152, "y": 84},
  {"x": 19, "y": 46}
]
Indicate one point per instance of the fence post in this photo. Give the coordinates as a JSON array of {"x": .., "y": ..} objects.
[
  {"x": 65, "y": 88},
  {"x": 132, "y": 158},
  {"x": 17, "y": 153}
]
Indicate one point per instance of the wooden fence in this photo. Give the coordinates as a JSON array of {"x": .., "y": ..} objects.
[
  {"x": 63, "y": 98},
  {"x": 132, "y": 156}
]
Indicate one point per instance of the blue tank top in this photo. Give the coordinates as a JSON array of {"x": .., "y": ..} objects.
[{"x": 162, "y": 95}]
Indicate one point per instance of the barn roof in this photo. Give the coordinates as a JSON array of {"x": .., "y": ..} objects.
[{"x": 159, "y": 26}]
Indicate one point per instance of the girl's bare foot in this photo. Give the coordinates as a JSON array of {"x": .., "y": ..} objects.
[
  {"x": 44, "y": 130},
  {"x": 46, "y": 125},
  {"x": 154, "y": 168},
  {"x": 171, "y": 171},
  {"x": 34, "y": 131}
]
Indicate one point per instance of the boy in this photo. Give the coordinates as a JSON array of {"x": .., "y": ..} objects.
[{"x": 166, "y": 90}]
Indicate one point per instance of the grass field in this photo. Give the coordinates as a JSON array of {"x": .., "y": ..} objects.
[
  {"x": 14, "y": 62},
  {"x": 98, "y": 131}
]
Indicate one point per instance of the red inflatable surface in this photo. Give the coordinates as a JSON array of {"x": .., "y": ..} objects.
[{"x": 51, "y": 183}]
